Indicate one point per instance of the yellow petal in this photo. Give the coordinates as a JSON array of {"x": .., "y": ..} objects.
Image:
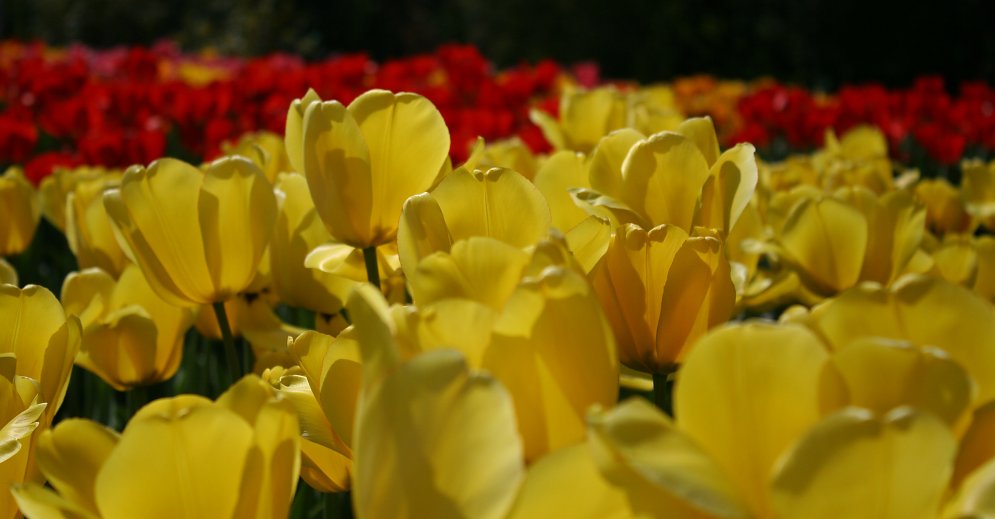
[
  {"x": 19, "y": 212},
  {"x": 588, "y": 115},
  {"x": 408, "y": 142},
  {"x": 857, "y": 464},
  {"x": 881, "y": 374},
  {"x": 7, "y": 273},
  {"x": 89, "y": 230},
  {"x": 663, "y": 472},
  {"x": 779, "y": 367},
  {"x": 558, "y": 173},
  {"x": 742, "y": 184},
  {"x": 605, "y": 168},
  {"x": 701, "y": 131},
  {"x": 71, "y": 455},
  {"x": 39, "y": 502},
  {"x": 156, "y": 210},
  {"x": 88, "y": 295},
  {"x": 825, "y": 241},
  {"x": 338, "y": 171},
  {"x": 556, "y": 355},
  {"x": 374, "y": 330},
  {"x": 195, "y": 468},
  {"x": 566, "y": 483},
  {"x": 480, "y": 268},
  {"x": 421, "y": 231},
  {"x": 434, "y": 440},
  {"x": 550, "y": 128},
  {"x": 661, "y": 179},
  {"x": 976, "y": 447},
  {"x": 588, "y": 241},
  {"x": 294, "y": 132},
  {"x": 237, "y": 214},
  {"x": 498, "y": 203}
]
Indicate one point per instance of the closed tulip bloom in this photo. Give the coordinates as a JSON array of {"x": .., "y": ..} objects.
[
  {"x": 19, "y": 213},
  {"x": 662, "y": 289},
  {"x": 89, "y": 230},
  {"x": 363, "y": 161},
  {"x": 197, "y": 236},
  {"x": 36, "y": 330},
  {"x": 55, "y": 189},
  {"x": 177, "y": 457},
  {"x": 131, "y": 337}
]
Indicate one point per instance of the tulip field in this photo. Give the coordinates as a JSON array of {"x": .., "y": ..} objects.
[{"x": 431, "y": 288}]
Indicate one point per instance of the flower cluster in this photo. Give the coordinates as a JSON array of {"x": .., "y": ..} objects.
[
  {"x": 115, "y": 108},
  {"x": 945, "y": 126},
  {"x": 347, "y": 305}
]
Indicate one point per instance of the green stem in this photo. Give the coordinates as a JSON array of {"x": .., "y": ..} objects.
[
  {"x": 230, "y": 356},
  {"x": 372, "y": 269},
  {"x": 663, "y": 388},
  {"x": 136, "y": 397}
]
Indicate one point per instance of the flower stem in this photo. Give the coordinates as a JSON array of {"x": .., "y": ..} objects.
[
  {"x": 230, "y": 356},
  {"x": 136, "y": 397},
  {"x": 663, "y": 388},
  {"x": 372, "y": 269}
]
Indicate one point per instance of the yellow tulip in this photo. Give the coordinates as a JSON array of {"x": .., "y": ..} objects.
[
  {"x": 299, "y": 231},
  {"x": 833, "y": 243},
  {"x": 662, "y": 289},
  {"x": 265, "y": 149},
  {"x": 198, "y": 237},
  {"x": 428, "y": 414},
  {"x": 178, "y": 457},
  {"x": 36, "y": 330},
  {"x": 859, "y": 158},
  {"x": 978, "y": 187},
  {"x": 363, "y": 161},
  {"x": 498, "y": 203},
  {"x": 131, "y": 337},
  {"x": 585, "y": 117},
  {"x": 19, "y": 212},
  {"x": 924, "y": 311},
  {"x": 946, "y": 211},
  {"x": 560, "y": 172},
  {"x": 55, "y": 188},
  {"x": 509, "y": 153},
  {"x": 324, "y": 390},
  {"x": 20, "y": 415},
  {"x": 88, "y": 227}
]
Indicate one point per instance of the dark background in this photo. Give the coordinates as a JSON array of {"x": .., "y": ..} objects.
[{"x": 817, "y": 43}]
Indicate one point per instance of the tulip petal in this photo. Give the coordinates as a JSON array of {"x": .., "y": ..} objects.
[
  {"x": 558, "y": 173},
  {"x": 663, "y": 472},
  {"x": 436, "y": 440},
  {"x": 338, "y": 171},
  {"x": 780, "y": 368},
  {"x": 566, "y": 483},
  {"x": 701, "y": 131},
  {"x": 71, "y": 455},
  {"x": 235, "y": 192},
  {"x": 408, "y": 142},
  {"x": 498, "y": 203},
  {"x": 195, "y": 468},
  {"x": 662, "y": 177},
  {"x": 479, "y": 268},
  {"x": 826, "y": 240},
  {"x": 605, "y": 168},
  {"x": 857, "y": 464}
]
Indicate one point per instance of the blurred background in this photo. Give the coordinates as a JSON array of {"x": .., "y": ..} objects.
[{"x": 816, "y": 43}]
